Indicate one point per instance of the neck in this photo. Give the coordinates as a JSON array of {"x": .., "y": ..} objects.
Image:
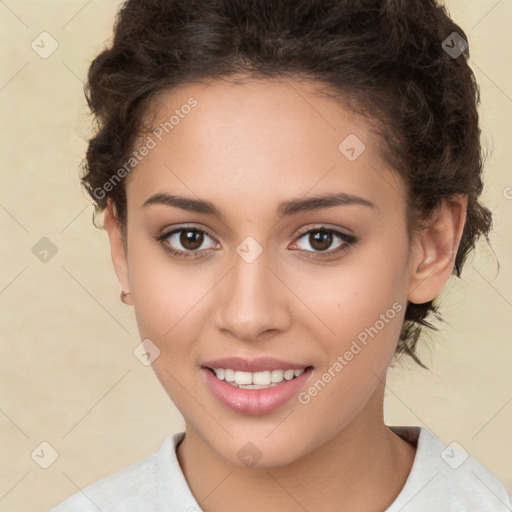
[{"x": 363, "y": 467}]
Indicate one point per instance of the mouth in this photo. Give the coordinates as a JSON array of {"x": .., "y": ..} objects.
[{"x": 256, "y": 386}]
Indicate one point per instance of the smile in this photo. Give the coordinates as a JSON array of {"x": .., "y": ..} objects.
[
  {"x": 255, "y": 380},
  {"x": 255, "y": 386}
]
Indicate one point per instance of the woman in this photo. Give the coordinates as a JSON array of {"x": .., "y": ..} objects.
[{"x": 287, "y": 188}]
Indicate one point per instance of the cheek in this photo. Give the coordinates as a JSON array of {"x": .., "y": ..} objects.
[
  {"x": 364, "y": 316},
  {"x": 363, "y": 303},
  {"x": 354, "y": 295},
  {"x": 167, "y": 305},
  {"x": 166, "y": 296}
]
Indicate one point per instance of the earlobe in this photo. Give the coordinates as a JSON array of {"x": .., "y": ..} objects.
[
  {"x": 117, "y": 250},
  {"x": 434, "y": 251}
]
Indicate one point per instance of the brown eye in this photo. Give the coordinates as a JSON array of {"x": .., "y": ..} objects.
[
  {"x": 320, "y": 240},
  {"x": 186, "y": 242},
  {"x": 191, "y": 239}
]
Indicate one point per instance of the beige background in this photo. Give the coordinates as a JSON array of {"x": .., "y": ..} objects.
[{"x": 69, "y": 376}]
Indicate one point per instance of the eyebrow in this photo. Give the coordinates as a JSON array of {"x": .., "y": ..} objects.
[{"x": 284, "y": 209}]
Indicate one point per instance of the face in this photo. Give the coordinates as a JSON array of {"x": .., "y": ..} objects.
[{"x": 245, "y": 268}]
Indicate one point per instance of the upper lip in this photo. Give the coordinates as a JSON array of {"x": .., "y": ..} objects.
[{"x": 253, "y": 365}]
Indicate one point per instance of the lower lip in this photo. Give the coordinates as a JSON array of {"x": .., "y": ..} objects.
[{"x": 255, "y": 401}]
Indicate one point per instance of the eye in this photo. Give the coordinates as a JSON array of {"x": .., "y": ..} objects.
[
  {"x": 185, "y": 242},
  {"x": 321, "y": 240}
]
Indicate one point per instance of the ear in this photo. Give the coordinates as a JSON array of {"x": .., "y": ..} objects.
[
  {"x": 117, "y": 249},
  {"x": 434, "y": 250}
]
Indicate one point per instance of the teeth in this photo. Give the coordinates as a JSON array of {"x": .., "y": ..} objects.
[
  {"x": 288, "y": 374},
  {"x": 261, "y": 378},
  {"x": 256, "y": 380},
  {"x": 243, "y": 378},
  {"x": 276, "y": 375}
]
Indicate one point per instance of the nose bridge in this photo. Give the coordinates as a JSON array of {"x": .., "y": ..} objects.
[{"x": 252, "y": 300}]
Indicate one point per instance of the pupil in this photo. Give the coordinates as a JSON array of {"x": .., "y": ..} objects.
[
  {"x": 191, "y": 239},
  {"x": 321, "y": 240}
]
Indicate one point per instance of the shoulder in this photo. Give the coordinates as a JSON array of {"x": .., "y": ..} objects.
[
  {"x": 446, "y": 477},
  {"x": 133, "y": 488}
]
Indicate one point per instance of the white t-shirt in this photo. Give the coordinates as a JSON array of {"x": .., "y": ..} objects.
[{"x": 442, "y": 478}]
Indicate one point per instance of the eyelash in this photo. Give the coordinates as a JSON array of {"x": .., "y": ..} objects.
[{"x": 348, "y": 240}]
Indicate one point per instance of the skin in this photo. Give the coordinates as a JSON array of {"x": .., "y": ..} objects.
[{"x": 245, "y": 148}]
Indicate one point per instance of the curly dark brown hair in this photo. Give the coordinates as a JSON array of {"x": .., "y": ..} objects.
[{"x": 390, "y": 58}]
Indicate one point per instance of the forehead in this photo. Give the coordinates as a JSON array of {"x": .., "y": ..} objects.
[{"x": 257, "y": 139}]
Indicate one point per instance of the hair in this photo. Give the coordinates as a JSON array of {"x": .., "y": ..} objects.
[{"x": 385, "y": 57}]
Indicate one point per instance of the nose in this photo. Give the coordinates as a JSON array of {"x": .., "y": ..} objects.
[{"x": 252, "y": 302}]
